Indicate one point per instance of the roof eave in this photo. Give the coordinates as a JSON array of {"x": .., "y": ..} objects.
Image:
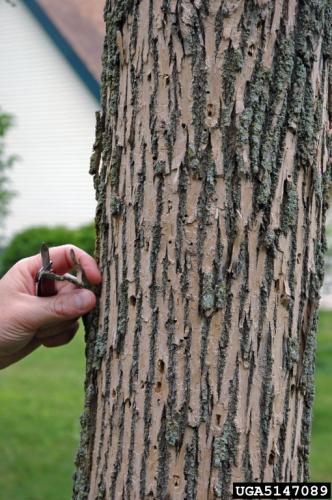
[{"x": 60, "y": 41}]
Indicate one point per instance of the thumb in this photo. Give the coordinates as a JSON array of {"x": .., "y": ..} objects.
[{"x": 63, "y": 306}]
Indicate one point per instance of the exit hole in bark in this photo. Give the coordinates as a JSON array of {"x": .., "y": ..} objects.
[
  {"x": 161, "y": 366},
  {"x": 158, "y": 386},
  {"x": 210, "y": 109},
  {"x": 218, "y": 417},
  {"x": 176, "y": 480},
  {"x": 132, "y": 300},
  {"x": 113, "y": 393},
  {"x": 272, "y": 457}
]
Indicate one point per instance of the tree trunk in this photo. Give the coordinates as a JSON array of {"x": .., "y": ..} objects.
[{"x": 212, "y": 193}]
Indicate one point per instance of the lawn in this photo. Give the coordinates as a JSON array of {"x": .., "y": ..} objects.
[
  {"x": 41, "y": 399},
  {"x": 321, "y": 444}
]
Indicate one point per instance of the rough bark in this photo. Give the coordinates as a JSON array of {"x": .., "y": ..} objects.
[{"x": 212, "y": 191}]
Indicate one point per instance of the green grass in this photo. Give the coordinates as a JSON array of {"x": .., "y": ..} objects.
[
  {"x": 321, "y": 443},
  {"x": 41, "y": 399}
]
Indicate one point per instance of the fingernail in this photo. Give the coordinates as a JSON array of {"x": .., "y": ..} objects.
[{"x": 83, "y": 299}]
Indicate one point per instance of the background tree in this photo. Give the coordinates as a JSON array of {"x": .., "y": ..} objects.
[
  {"x": 214, "y": 139},
  {"x": 5, "y": 163}
]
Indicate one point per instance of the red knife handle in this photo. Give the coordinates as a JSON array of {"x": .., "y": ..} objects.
[{"x": 46, "y": 287}]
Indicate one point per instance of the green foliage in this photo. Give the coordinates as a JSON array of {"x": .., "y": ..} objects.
[
  {"x": 28, "y": 242},
  {"x": 84, "y": 237},
  {"x": 6, "y": 162}
]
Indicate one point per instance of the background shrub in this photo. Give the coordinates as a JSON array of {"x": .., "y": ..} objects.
[
  {"x": 28, "y": 242},
  {"x": 84, "y": 237}
]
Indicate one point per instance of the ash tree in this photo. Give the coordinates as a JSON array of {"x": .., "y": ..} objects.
[{"x": 211, "y": 173}]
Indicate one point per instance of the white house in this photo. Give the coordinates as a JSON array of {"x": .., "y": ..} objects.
[{"x": 50, "y": 67}]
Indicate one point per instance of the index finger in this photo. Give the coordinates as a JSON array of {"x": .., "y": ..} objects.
[{"x": 62, "y": 262}]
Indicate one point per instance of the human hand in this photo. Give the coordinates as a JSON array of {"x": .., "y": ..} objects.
[{"x": 28, "y": 321}]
